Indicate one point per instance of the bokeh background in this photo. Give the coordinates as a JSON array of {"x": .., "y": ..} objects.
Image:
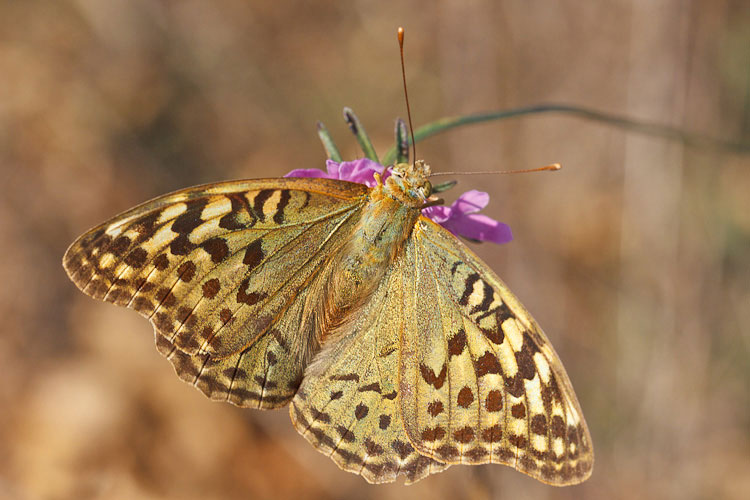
[{"x": 635, "y": 258}]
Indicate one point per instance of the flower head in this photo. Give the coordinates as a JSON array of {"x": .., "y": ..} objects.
[{"x": 461, "y": 218}]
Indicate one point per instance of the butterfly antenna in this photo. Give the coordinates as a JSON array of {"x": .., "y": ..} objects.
[
  {"x": 554, "y": 166},
  {"x": 406, "y": 93}
]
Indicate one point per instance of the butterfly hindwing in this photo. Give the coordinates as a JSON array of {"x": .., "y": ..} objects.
[
  {"x": 266, "y": 374},
  {"x": 223, "y": 272},
  {"x": 347, "y": 405},
  {"x": 485, "y": 385}
]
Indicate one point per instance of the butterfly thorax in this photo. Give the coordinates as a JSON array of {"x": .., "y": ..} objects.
[{"x": 388, "y": 218}]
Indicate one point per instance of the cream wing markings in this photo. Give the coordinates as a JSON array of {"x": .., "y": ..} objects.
[{"x": 513, "y": 402}]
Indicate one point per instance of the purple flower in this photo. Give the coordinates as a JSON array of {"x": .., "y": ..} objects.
[
  {"x": 461, "y": 218},
  {"x": 360, "y": 171}
]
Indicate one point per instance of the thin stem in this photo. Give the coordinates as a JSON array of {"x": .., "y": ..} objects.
[{"x": 664, "y": 131}]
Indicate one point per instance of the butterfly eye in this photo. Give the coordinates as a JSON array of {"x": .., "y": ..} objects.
[{"x": 427, "y": 189}]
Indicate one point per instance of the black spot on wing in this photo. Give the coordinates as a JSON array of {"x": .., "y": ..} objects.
[
  {"x": 487, "y": 298},
  {"x": 258, "y": 202},
  {"x": 307, "y": 200},
  {"x": 278, "y": 217},
  {"x": 468, "y": 288},
  {"x": 190, "y": 219},
  {"x": 253, "y": 254},
  {"x": 502, "y": 311},
  {"x": 231, "y": 221}
]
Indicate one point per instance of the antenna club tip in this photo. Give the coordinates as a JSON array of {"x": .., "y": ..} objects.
[
  {"x": 400, "y": 34},
  {"x": 555, "y": 166}
]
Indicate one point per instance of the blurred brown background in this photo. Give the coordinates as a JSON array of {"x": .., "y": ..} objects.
[{"x": 634, "y": 258}]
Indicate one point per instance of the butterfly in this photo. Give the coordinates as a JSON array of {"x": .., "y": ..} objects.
[{"x": 398, "y": 351}]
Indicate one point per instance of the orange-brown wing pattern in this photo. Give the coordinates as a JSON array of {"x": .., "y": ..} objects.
[{"x": 223, "y": 272}]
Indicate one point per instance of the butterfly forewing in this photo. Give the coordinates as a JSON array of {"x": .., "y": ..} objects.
[
  {"x": 480, "y": 383},
  {"x": 222, "y": 272}
]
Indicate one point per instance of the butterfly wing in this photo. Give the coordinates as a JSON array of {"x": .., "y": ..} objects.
[
  {"x": 348, "y": 403},
  {"x": 225, "y": 273},
  {"x": 479, "y": 381},
  {"x": 443, "y": 366}
]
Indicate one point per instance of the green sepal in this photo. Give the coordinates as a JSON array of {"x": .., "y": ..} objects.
[
  {"x": 443, "y": 186},
  {"x": 359, "y": 131},
  {"x": 402, "y": 142},
  {"x": 331, "y": 150}
]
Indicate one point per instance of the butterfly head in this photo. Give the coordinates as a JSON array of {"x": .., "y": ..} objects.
[{"x": 409, "y": 182}]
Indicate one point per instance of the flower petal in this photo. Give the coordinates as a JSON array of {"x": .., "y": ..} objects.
[
  {"x": 308, "y": 172},
  {"x": 471, "y": 202},
  {"x": 438, "y": 213},
  {"x": 361, "y": 171},
  {"x": 333, "y": 169},
  {"x": 479, "y": 227}
]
